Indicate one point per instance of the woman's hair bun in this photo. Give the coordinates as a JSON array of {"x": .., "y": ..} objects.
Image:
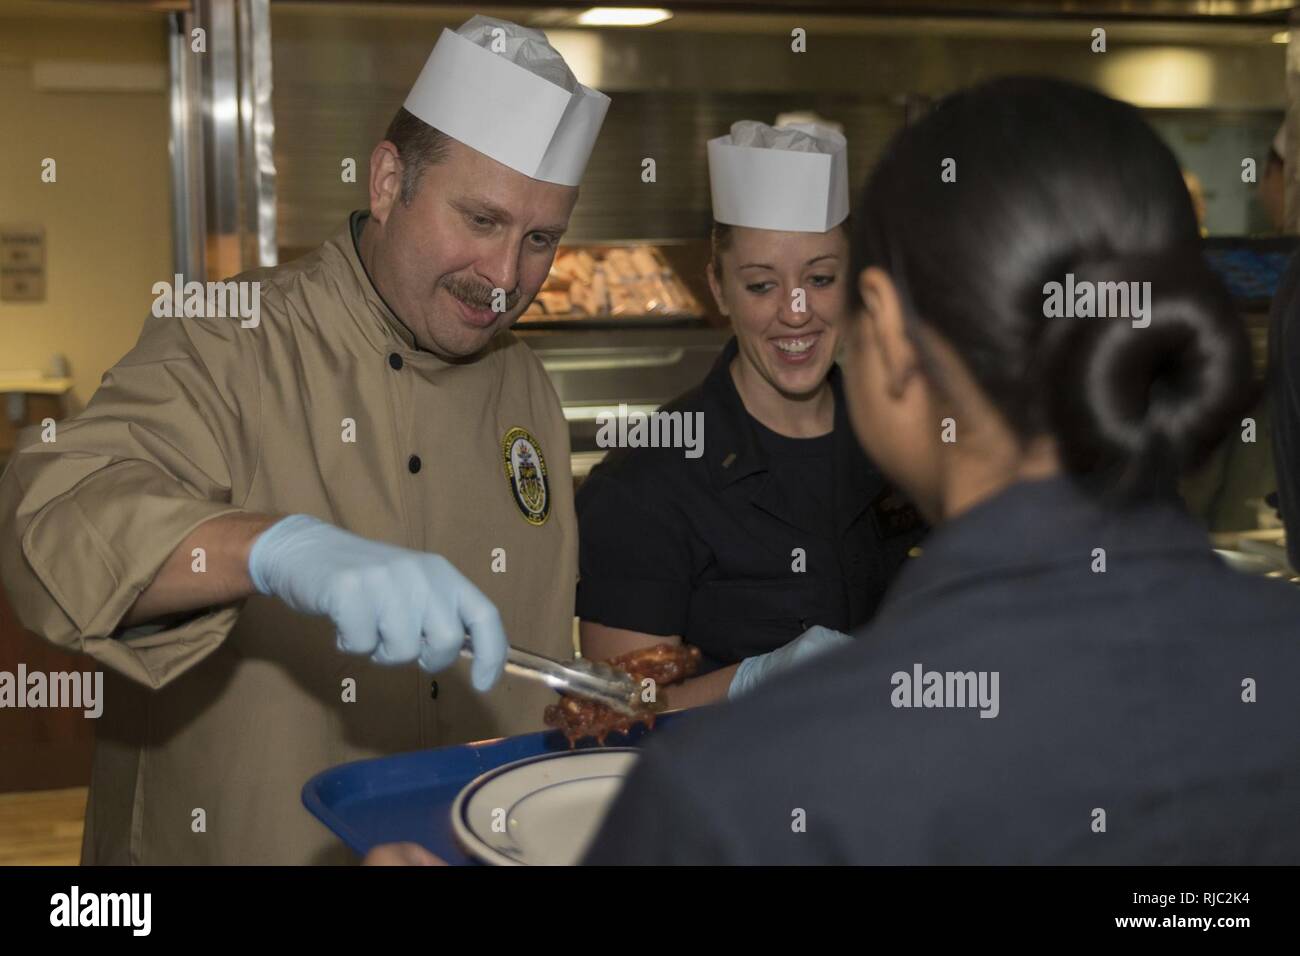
[
  {"x": 1138, "y": 398},
  {"x": 1061, "y": 185}
]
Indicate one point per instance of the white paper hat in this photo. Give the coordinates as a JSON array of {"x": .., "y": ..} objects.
[
  {"x": 793, "y": 178},
  {"x": 503, "y": 90},
  {"x": 1279, "y": 142}
]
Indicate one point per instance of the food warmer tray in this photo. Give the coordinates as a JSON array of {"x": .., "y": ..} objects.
[{"x": 610, "y": 323}]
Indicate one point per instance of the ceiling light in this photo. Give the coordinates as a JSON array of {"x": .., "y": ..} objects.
[{"x": 622, "y": 16}]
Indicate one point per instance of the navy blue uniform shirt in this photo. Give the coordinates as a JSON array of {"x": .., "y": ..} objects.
[
  {"x": 1147, "y": 713},
  {"x": 743, "y": 549}
]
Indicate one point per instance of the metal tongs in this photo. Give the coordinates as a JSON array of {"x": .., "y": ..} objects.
[{"x": 593, "y": 680}]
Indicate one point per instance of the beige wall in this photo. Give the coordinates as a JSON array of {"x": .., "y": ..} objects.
[{"x": 107, "y": 219}]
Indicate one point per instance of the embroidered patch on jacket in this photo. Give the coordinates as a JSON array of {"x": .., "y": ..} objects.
[{"x": 526, "y": 471}]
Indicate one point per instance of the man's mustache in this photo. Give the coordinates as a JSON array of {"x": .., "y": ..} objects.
[{"x": 479, "y": 296}]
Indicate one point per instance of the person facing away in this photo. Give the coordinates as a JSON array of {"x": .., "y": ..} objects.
[{"x": 1067, "y": 673}]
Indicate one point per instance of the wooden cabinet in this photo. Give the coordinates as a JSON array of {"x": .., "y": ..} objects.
[
  {"x": 40, "y": 748},
  {"x": 28, "y": 408},
  {"x": 48, "y": 747}
]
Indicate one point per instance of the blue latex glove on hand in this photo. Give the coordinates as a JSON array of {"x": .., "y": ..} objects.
[
  {"x": 755, "y": 670},
  {"x": 391, "y": 603}
]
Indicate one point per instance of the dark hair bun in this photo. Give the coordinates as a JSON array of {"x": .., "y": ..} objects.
[
  {"x": 1136, "y": 400},
  {"x": 1058, "y": 182}
]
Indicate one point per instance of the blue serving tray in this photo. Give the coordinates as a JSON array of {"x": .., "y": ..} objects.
[{"x": 408, "y": 797}]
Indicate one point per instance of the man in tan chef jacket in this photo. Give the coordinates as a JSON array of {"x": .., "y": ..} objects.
[{"x": 416, "y": 446}]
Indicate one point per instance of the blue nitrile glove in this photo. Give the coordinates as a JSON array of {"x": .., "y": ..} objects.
[
  {"x": 391, "y": 603},
  {"x": 757, "y": 669}
]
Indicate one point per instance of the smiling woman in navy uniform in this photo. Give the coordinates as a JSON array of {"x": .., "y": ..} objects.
[
  {"x": 782, "y": 533},
  {"x": 1148, "y": 696}
]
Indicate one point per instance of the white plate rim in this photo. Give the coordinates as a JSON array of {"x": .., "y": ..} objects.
[{"x": 469, "y": 841}]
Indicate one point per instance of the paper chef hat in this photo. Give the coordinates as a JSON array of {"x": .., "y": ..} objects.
[
  {"x": 793, "y": 178},
  {"x": 503, "y": 90}
]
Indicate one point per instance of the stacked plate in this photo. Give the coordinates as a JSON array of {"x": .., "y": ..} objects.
[{"x": 543, "y": 810}]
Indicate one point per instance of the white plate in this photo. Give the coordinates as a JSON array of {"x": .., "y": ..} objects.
[{"x": 540, "y": 811}]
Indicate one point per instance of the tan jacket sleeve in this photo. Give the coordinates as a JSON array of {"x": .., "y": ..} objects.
[{"x": 168, "y": 441}]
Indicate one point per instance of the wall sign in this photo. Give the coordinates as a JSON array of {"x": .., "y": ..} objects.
[{"x": 22, "y": 264}]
